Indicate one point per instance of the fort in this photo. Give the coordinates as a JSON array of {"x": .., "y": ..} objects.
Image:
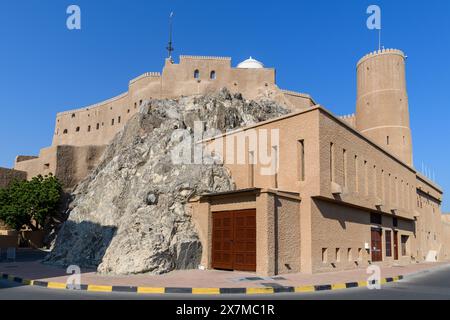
[
  {"x": 346, "y": 194},
  {"x": 81, "y": 135}
]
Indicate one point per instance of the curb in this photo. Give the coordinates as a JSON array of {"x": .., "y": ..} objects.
[{"x": 198, "y": 291}]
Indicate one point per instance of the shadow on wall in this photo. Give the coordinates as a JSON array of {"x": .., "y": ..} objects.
[
  {"x": 344, "y": 215},
  {"x": 334, "y": 211},
  {"x": 83, "y": 244}
]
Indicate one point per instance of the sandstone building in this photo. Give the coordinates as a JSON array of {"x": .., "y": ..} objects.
[{"x": 346, "y": 193}]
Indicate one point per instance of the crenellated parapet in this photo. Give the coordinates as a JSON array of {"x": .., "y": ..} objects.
[
  {"x": 184, "y": 57},
  {"x": 93, "y": 106},
  {"x": 349, "y": 119},
  {"x": 381, "y": 52},
  {"x": 146, "y": 75}
]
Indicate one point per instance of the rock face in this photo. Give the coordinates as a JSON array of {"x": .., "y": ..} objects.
[{"x": 129, "y": 215}]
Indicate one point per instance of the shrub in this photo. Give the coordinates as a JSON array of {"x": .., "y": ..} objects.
[{"x": 30, "y": 203}]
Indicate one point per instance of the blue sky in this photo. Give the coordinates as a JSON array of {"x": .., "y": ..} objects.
[{"x": 314, "y": 45}]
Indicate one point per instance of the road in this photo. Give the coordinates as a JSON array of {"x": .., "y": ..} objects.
[{"x": 431, "y": 285}]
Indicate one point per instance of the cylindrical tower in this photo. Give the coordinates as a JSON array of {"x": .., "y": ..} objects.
[{"x": 382, "y": 102}]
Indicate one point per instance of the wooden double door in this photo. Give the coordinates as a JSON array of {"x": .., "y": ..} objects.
[
  {"x": 376, "y": 245},
  {"x": 234, "y": 240}
]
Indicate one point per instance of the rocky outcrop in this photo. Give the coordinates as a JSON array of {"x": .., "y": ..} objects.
[{"x": 130, "y": 215}]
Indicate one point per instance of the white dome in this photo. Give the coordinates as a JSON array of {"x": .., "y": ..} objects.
[{"x": 250, "y": 63}]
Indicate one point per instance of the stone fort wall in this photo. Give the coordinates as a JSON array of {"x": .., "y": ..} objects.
[
  {"x": 97, "y": 124},
  {"x": 9, "y": 175}
]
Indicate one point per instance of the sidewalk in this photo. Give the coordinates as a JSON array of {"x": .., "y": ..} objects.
[{"x": 34, "y": 270}]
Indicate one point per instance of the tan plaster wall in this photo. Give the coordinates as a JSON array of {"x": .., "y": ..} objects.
[
  {"x": 43, "y": 165},
  {"x": 374, "y": 177},
  {"x": 70, "y": 164},
  {"x": 287, "y": 235},
  {"x": 382, "y": 102},
  {"x": 351, "y": 230},
  {"x": 9, "y": 175}
]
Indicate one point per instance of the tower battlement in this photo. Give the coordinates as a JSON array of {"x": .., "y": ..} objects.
[
  {"x": 381, "y": 52},
  {"x": 183, "y": 57}
]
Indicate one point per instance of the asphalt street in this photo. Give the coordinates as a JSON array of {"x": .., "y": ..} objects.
[{"x": 429, "y": 285}]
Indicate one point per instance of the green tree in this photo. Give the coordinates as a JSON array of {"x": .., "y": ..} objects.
[{"x": 30, "y": 203}]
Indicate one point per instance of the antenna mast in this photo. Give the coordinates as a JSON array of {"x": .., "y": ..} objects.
[{"x": 170, "y": 48}]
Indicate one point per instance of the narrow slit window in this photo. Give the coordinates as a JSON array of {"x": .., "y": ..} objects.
[
  {"x": 332, "y": 162},
  {"x": 324, "y": 255},
  {"x": 344, "y": 163},
  {"x": 356, "y": 174},
  {"x": 366, "y": 178},
  {"x": 301, "y": 159}
]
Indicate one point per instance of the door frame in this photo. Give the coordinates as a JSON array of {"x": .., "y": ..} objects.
[
  {"x": 376, "y": 254},
  {"x": 233, "y": 214},
  {"x": 395, "y": 245}
]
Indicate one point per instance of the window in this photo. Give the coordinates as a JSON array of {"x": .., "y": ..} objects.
[
  {"x": 128, "y": 111},
  {"x": 356, "y": 174},
  {"x": 47, "y": 166},
  {"x": 112, "y": 122},
  {"x": 73, "y": 115},
  {"x": 375, "y": 218},
  {"x": 212, "y": 76},
  {"x": 65, "y": 131},
  {"x": 98, "y": 126},
  {"x": 196, "y": 74},
  {"x": 387, "y": 140},
  {"x": 404, "y": 241},
  {"x": 349, "y": 254},
  {"x": 77, "y": 129},
  {"x": 366, "y": 179},
  {"x": 140, "y": 102},
  {"x": 89, "y": 128},
  {"x": 118, "y": 119},
  {"x": 388, "y": 241},
  {"x": 338, "y": 255},
  {"x": 324, "y": 255},
  {"x": 375, "y": 185},
  {"x": 360, "y": 254},
  {"x": 345, "y": 166},
  {"x": 395, "y": 222},
  {"x": 331, "y": 162},
  {"x": 135, "y": 105},
  {"x": 301, "y": 159}
]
